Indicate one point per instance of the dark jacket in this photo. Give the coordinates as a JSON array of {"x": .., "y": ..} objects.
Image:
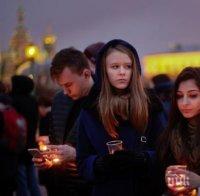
[
  {"x": 26, "y": 105},
  {"x": 92, "y": 138},
  {"x": 64, "y": 112},
  {"x": 61, "y": 108}
]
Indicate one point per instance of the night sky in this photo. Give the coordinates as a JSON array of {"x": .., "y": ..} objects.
[{"x": 150, "y": 25}]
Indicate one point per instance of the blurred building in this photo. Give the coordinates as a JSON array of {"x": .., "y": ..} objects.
[
  {"x": 171, "y": 62},
  {"x": 25, "y": 57}
]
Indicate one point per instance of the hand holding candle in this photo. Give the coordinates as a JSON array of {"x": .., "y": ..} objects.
[
  {"x": 64, "y": 152},
  {"x": 42, "y": 142},
  {"x": 176, "y": 179}
]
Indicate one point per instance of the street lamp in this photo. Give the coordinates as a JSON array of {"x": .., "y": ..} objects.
[{"x": 31, "y": 52}]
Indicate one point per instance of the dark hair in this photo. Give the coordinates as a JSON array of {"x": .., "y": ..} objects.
[
  {"x": 111, "y": 104},
  {"x": 163, "y": 86},
  {"x": 22, "y": 84},
  {"x": 162, "y": 82},
  {"x": 92, "y": 50},
  {"x": 71, "y": 58},
  {"x": 161, "y": 78},
  {"x": 174, "y": 138},
  {"x": 186, "y": 74},
  {"x": 44, "y": 101}
]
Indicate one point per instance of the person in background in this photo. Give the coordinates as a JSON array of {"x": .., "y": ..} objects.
[
  {"x": 180, "y": 143},
  {"x": 163, "y": 86},
  {"x": 26, "y": 105},
  {"x": 8, "y": 156},
  {"x": 122, "y": 111},
  {"x": 44, "y": 108},
  {"x": 91, "y": 52}
]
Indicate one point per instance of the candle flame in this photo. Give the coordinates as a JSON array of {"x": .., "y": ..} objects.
[
  {"x": 56, "y": 160},
  {"x": 42, "y": 147}
]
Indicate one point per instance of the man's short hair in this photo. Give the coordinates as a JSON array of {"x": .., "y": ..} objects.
[{"x": 68, "y": 57}]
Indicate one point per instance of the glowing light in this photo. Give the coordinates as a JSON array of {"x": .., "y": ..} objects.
[
  {"x": 31, "y": 51},
  {"x": 31, "y": 76},
  {"x": 49, "y": 39},
  {"x": 169, "y": 63},
  {"x": 56, "y": 160},
  {"x": 42, "y": 147}
]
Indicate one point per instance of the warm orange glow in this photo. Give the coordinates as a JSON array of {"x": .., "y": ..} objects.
[
  {"x": 169, "y": 63},
  {"x": 194, "y": 192},
  {"x": 42, "y": 147},
  {"x": 49, "y": 39},
  {"x": 56, "y": 160}
]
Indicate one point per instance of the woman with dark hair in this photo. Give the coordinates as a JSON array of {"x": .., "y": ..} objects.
[
  {"x": 123, "y": 111},
  {"x": 180, "y": 143}
]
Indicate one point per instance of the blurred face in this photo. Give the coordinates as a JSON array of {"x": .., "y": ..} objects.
[
  {"x": 73, "y": 84},
  {"x": 188, "y": 99},
  {"x": 43, "y": 110},
  {"x": 119, "y": 69}
]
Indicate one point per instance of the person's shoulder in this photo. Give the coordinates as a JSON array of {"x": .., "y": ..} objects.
[
  {"x": 61, "y": 97},
  {"x": 155, "y": 104},
  {"x": 90, "y": 112}
]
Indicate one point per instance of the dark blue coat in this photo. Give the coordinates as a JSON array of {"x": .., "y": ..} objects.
[{"x": 92, "y": 140}]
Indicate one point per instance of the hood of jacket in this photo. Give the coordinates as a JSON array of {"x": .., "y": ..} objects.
[{"x": 112, "y": 44}]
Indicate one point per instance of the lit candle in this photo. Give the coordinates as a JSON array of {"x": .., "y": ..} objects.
[
  {"x": 194, "y": 192},
  {"x": 56, "y": 160},
  {"x": 42, "y": 147}
]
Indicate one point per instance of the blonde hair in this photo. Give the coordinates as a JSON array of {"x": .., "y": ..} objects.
[{"x": 132, "y": 106}]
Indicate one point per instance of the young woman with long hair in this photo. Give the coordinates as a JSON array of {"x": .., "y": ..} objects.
[
  {"x": 123, "y": 111},
  {"x": 180, "y": 143}
]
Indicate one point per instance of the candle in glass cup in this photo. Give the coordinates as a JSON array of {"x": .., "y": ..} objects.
[
  {"x": 42, "y": 147},
  {"x": 42, "y": 143},
  {"x": 176, "y": 181},
  {"x": 114, "y": 145}
]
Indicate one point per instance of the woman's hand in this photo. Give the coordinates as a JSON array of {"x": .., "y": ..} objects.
[
  {"x": 178, "y": 179},
  {"x": 192, "y": 178},
  {"x": 175, "y": 179}
]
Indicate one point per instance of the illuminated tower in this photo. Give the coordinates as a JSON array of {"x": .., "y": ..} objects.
[
  {"x": 49, "y": 43},
  {"x": 20, "y": 38},
  {"x": 17, "y": 44}
]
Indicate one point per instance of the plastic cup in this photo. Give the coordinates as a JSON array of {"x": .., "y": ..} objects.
[{"x": 114, "y": 145}]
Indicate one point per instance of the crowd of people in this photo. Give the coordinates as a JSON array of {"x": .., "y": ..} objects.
[{"x": 103, "y": 99}]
